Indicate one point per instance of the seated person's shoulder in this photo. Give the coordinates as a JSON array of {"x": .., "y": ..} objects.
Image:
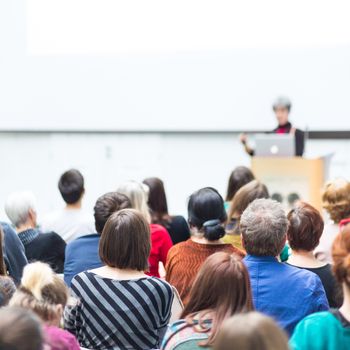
[
  {"x": 316, "y": 322},
  {"x": 178, "y": 220},
  {"x": 53, "y": 237},
  {"x": 302, "y": 276},
  {"x": 178, "y": 248}
]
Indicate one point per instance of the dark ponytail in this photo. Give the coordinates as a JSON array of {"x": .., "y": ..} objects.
[{"x": 207, "y": 213}]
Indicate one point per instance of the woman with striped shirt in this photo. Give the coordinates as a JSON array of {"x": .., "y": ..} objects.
[{"x": 119, "y": 306}]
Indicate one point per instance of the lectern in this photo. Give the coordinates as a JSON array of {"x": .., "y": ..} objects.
[{"x": 295, "y": 177}]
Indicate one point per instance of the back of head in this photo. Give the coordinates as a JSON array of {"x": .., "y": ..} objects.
[
  {"x": 106, "y": 205},
  {"x": 41, "y": 290},
  {"x": 20, "y": 329},
  {"x": 206, "y": 212},
  {"x": 125, "y": 241},
  {"x": 336, "y": 199},
  {"x": 341, "y": 256},
  {"x": 71, "y": 186},
  {"x": 18, "y": 206},
  {"x": 238, "y": 178},
  {"x": 282, "y": 102},
  {"x": 264, "y": 227},
  {"x": 222, "y": 287},
  {"x": 137, "y": 195},
  {"x": 156, "y": 198},
  {"x": 7, "y": 289},
  {"x": 305, "y": 227},
  {"x": 251, "y": 331},
  {"x": 245, "y": 195}
]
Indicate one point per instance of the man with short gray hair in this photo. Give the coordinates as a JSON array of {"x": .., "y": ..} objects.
[
  {"x": 20, "y": 207},
  {"x": 282, "y": 291}
]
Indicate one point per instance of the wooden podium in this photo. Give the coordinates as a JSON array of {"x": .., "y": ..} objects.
[{"x": 288, "y": 177}]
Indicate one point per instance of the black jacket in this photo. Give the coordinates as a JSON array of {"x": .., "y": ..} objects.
[{"x": 299, "y": 138}]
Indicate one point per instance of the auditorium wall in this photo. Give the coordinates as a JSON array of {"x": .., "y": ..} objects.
[{"x": 186, "y": 162}]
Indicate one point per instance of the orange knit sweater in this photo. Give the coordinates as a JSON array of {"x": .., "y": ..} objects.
[{"x": 185, "y": 259}]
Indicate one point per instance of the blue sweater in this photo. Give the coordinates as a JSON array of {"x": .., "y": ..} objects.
[
  {"x": 14, "y": 255},
  {"x": 284, "y": 292},
  {"x": 81, "y": 255}
]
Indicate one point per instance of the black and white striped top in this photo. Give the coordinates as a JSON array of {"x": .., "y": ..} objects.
[{"x": 119, "y": 314}]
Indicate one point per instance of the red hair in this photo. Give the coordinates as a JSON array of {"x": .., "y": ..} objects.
[{"x": 341, "y": 256}]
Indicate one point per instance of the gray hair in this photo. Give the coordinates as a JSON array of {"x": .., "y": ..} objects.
[
  {"x": 18, "y": 205},
  {"x": 282, "y": 102},
  {"x": 264, "y": 226}
]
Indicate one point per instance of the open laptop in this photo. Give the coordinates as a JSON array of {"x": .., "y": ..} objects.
[{"x": 274, "y": 145}]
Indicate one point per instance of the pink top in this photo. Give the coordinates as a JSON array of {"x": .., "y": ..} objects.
[{"x": 59, "y": 339}]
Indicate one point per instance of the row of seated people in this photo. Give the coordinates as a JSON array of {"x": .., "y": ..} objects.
[
  {"x": 207, "y": 217},
  {"x": 118, "y": 306}
]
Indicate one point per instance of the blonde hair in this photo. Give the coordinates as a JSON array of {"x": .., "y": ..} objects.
[
  {"x": 336, "y": 199},
  {"x": 138, "y": 196},
  {"x": 41, "y": 291}
]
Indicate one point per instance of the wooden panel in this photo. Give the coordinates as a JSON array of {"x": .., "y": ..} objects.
[{"x": 304, "y": 177}]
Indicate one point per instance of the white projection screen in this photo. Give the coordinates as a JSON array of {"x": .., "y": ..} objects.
[{"x": 181, "y": 65}]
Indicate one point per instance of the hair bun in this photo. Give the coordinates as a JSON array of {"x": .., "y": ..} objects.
[{"x": 213, "y": 230}]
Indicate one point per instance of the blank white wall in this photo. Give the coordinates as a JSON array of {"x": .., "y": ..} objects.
[
  {"x": 172, "y": 65},
  {"x": 186, "y": 162}
]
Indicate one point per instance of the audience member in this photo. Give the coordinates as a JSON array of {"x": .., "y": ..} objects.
[
  {"x": 28, "y": 334},
  {"x": 120, "y": 306},
  {"x": 206, "y": 216},
  {"x": 330, "y": 330},
  {"x": 70, "y": 222},
  {"x": 304, "y": 232},
  {"x": 175, "y": 225},
  {"x": 82, "y": 253},
  {"x": 14, "y": 253},
  {"x": 243, "y": 197},
  {"x": 239, "y": 177},
  {"x": 282, "y": 291},
  {"x": 336, "y": 202},
  {"x": 160, "y": 238},
  {"x": 44, "y": 293},
  {"x": 251, "y": 331},
  {"x": 20, "y": 207},
  {"x": 7, "y": 287},
  {"x": 220, "y": 290}
]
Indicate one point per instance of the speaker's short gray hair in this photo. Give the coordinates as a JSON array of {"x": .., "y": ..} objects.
[
  {"x": 282, "y": 102},
  {"x": 264, "y": 227}
]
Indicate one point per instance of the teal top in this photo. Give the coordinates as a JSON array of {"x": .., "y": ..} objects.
[
  {"x": 181, "y": 336},
  {"x": 321, "y": 331}
]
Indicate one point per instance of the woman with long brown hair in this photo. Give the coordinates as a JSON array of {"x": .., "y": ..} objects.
[
  {"x": 221, "y": 289},
  {"x": 244, "y": 196},
  {"x": 176, "y": 225},
  {"x": 239, "y": 177}
]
